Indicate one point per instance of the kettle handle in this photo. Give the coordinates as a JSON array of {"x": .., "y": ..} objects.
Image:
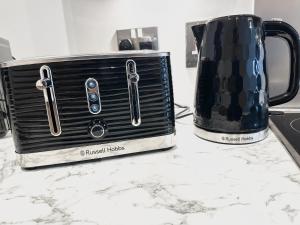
[
  {"x": 198, "y": 31},
  {"x": 287, "y": 32}
]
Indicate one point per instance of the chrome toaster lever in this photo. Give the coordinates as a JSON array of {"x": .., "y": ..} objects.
[
  {"x": 45, "y": 84},
  {"x": 134, "y": 102}
]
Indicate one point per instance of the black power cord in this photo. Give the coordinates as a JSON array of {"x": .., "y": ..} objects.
[{"x": 184, "y": 111}]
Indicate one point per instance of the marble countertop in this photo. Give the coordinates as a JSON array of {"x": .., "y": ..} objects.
[{"x": 198, "y": 182}]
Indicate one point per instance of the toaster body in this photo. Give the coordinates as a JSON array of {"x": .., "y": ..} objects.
[{"x": 63, "y": 110}]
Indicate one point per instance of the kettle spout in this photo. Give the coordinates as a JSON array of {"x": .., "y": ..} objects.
[{"x": 198, "y": 31}]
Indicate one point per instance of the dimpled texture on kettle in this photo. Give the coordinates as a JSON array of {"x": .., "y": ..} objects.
[{"x": 232, "y": 92}]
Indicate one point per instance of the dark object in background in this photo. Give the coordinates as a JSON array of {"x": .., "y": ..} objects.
[
  {"x": 5, "y": 55},
  {"x": 145, "y": 38},
  {"x": 5, "y": 51},
  {"x": 232, "y": 95},
  {"x": 146, "y": 43},
  {"x": 125, "y": 44},
  {"x": 88, "y": 107}
]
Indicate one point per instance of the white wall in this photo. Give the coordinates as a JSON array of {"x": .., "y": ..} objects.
[
  {"x": 277, "y": 50},
  {"x": 61, "y": 27},
  {"x": 34, "y": 27},
  {"x": 91, "y": 25}
]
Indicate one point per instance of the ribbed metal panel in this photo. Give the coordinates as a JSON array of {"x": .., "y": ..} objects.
[{"x": 28, "y": 113}]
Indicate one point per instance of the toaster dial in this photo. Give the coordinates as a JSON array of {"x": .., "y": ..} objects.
[{"x": 98, "y": 129}]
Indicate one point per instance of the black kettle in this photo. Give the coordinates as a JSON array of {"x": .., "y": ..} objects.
[{"x": 232, "y": 93}]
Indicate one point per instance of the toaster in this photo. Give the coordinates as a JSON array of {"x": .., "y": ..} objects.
[{"x": 77, "y": 108}]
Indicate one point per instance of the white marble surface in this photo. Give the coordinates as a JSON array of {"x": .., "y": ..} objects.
[{"x": 197, "y": 182}]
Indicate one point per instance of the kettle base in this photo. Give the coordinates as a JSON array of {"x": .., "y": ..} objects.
[{"x": 241, "y": 138}]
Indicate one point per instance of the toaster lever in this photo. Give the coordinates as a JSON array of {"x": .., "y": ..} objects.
[
  {"x": 45, "y": 84},
  {"x": 134, "y": 102}
]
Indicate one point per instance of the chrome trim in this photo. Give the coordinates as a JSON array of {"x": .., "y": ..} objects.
[
  {"x": 123, "y": 54},
  {"x": 102, "y": 128},
  {"x": 133, "y": 92},
  {"x": 44, "y": 84},
  {"x": 277, "y": 19},
  {"x": 289, "y": 148},
  {"x": 29, "y": 160},
  {"x": 231, "y": 138},
  {"x": 95, "y": 91},
  {"x": 285, "y": 110}
]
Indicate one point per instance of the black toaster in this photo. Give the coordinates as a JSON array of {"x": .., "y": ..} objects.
[{"x": 77, "y": 108}]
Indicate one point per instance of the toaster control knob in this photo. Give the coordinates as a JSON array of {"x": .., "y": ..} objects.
[
  {"x": 91, "y": 84},
  {"x": 93, "y": 97},
  {"x": 95, "y": 108},
  {"x": 97, "y": 129}
]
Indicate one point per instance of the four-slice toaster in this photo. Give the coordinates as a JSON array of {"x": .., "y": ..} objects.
[{"x": 79, "y": 108}]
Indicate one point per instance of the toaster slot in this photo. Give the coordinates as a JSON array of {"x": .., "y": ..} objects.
[
  {"x": 133, "y": 90},
  {"x": 45, "y": 84}
]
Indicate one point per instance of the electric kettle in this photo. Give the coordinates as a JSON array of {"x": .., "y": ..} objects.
[{"x": 232, "y": 93}]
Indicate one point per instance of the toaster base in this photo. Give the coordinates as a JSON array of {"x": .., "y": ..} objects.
[
  {"x": 75, "y": 154},
  {"x": 242, "y": 138}
]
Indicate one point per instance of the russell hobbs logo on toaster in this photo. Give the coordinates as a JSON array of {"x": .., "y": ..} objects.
[
  {"x": 237, "y": 139},
  {"x": 89, "y": 152}
]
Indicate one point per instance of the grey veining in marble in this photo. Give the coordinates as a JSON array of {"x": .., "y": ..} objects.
[{"x": 198, "y": 182}]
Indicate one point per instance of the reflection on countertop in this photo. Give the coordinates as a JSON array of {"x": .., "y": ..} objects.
[{"x": 198, "y": 182}]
